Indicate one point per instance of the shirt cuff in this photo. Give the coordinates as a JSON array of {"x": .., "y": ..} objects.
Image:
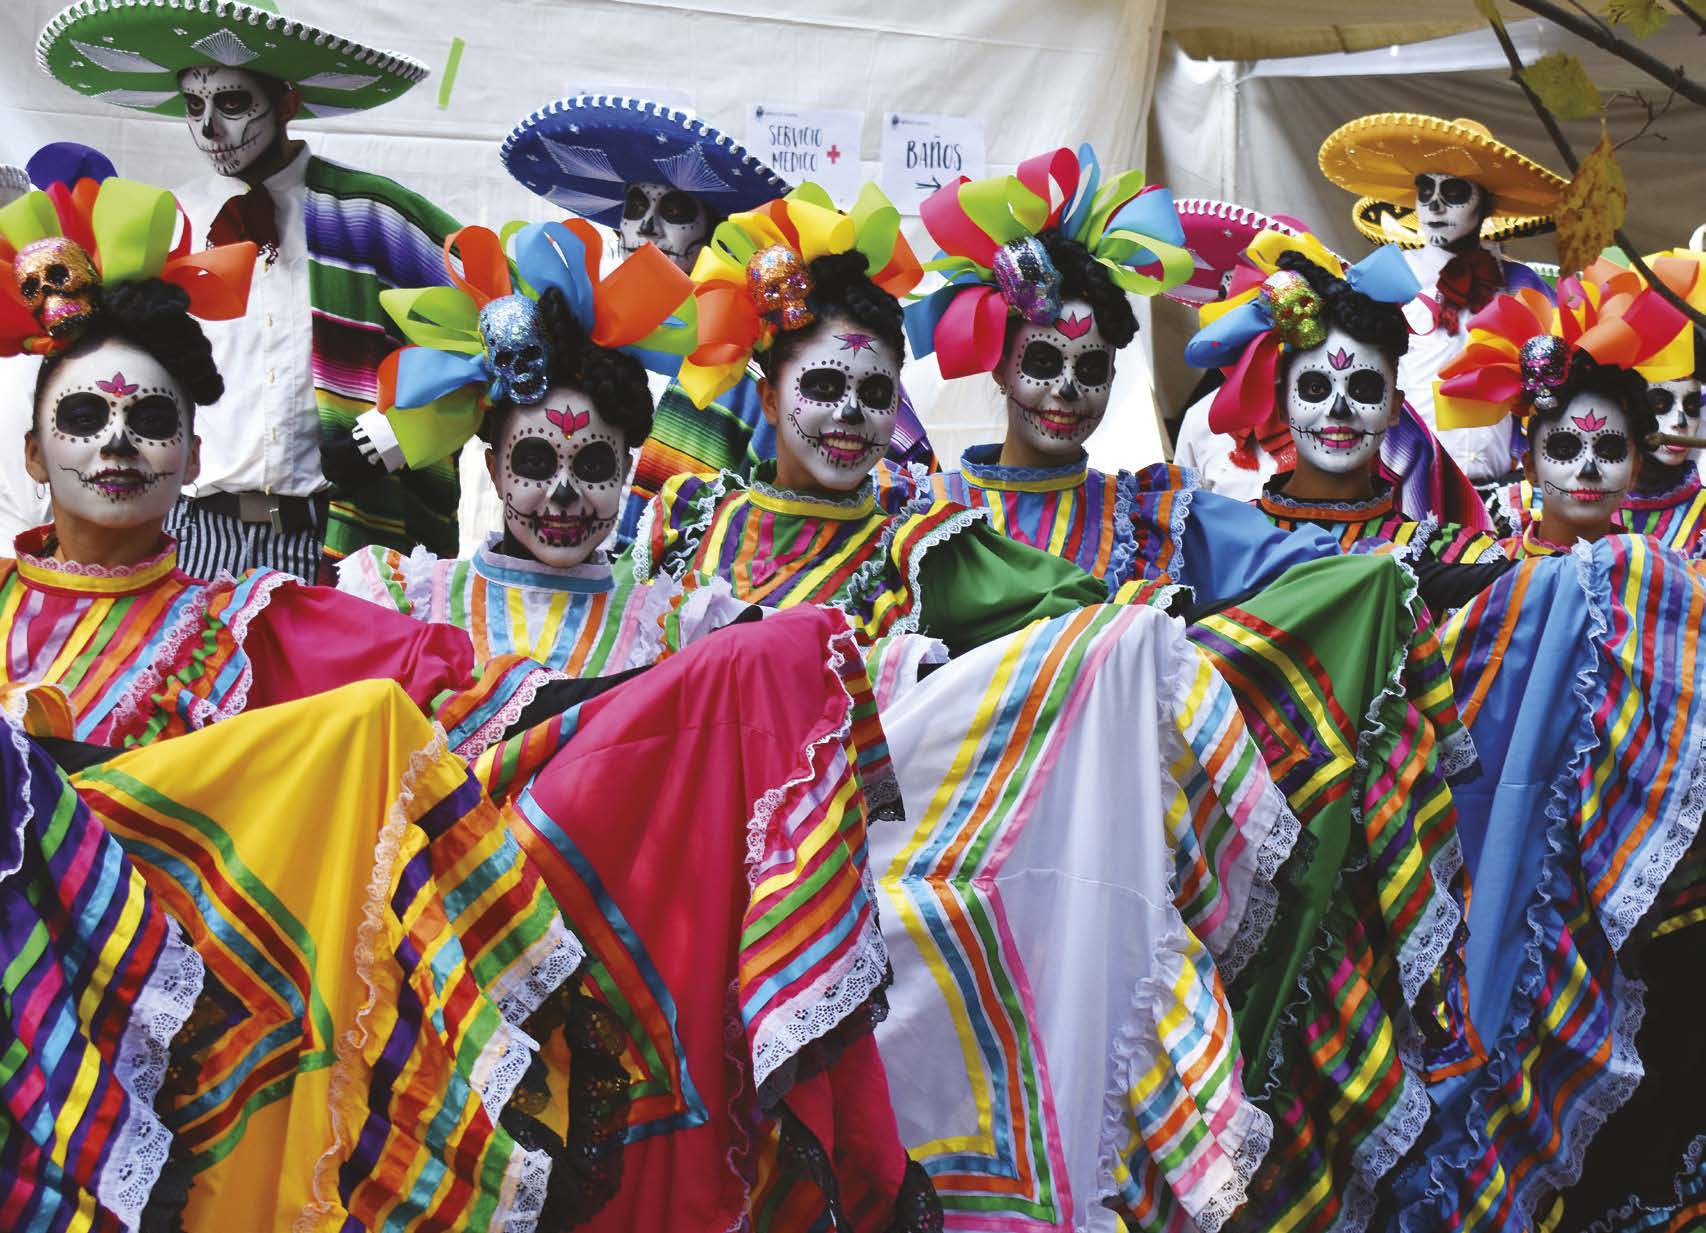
[{"x": 377, "y": 428}]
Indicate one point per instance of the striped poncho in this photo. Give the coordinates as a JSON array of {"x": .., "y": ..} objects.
[{"x": 366, "y": 234}]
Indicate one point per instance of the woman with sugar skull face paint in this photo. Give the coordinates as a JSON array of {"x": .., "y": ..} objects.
[
  {"x": 1579, "y": 671},
  {"x": 1667, "y": 500},
  {"x": 1333, "y": 338},
  {"x": 676, "y": 177},
  {"x": 1449, "y": 193},
  {"x": 814, "y": 527},
  {"x": 1044, "y": 311}
]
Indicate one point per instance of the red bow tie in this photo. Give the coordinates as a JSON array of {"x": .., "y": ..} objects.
[
  {"x": 248, "y": 216},
  {"x": 1468, "y": 284}
]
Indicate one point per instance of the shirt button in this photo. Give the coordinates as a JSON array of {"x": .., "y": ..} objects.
[
  {"x": 272, "y": 375},
  {"x": 269, "y": 321}
]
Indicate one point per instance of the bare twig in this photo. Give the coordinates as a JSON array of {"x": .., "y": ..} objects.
[
  {"x": 1574, "y": 164},
  {"x": 1689, "y": 11},
  {"x": 1653, "y": 114},
  {"x": 1649, "y": 64}
]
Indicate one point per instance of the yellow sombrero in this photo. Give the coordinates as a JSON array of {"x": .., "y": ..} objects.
[{"x": 1379, "y": 157}]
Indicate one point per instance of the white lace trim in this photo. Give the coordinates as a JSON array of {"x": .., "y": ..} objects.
[
  {"x": 1137, "y": 1034},
  {"x": 490, "y": 732},
  {"x": 1625, "y": 1216},
  {"x": 704, "y": 504},
  {"x": 526, "y": 1182},
  {"x": 237, "y": 700},
  {"x": 350, "y": 1044},
  {"x": 164, "y": 660},
  {"x": 525, "y": 985},
  {"x": 950, "y": 527},
  {"x": 830, "y": 999}
]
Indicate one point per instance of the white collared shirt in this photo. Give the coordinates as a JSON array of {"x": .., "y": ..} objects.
[
  {"x": 1483, "y": 453},
  {"x": 264, "y": 434}
]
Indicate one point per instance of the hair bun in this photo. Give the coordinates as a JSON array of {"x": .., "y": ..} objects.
[
  {"x": 1082, "y": 277},
  {"x": 1363, "y": 318}
]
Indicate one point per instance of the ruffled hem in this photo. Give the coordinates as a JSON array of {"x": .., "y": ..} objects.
[
  {"x": 704, "y": 505},
  {"x": 490, "y": 732},
  {"x": 824, "y": 1004},
  {"x": 872, "y": 571},
  {"x": 1598, "y": 1096},
  {"x": 238, "y": 623},
  {"x": 1249, "y": 1134}
]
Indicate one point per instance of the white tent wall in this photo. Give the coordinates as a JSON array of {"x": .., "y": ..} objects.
[
  {"x": 1035, "y": 75},
  {"x": 1249, "y": 133}
]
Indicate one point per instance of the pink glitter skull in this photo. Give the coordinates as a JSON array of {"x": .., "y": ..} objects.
[
  {"x": 779, "y": 282},
  {"x": 1545, "y": 361}
]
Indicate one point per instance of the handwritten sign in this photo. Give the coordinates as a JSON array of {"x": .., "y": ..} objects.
[
  {"x": 923, "y": 152},
  {"x": 820, "y": 144}
]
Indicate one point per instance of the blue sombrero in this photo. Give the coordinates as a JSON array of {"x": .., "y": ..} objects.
[{"x": 582, "y": 152}]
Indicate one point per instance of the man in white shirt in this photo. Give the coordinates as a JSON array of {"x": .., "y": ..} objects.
[
  {"x": 1448, "y": 192},
  {"x": 303, "y": 362}
]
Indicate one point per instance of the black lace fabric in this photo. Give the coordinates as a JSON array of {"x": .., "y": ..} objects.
[
  {"x": 822, "y": 1053},
  {"x": 586, "y": 1166},
  {"x": 214, "y": 1011},
  {"x": 917, "y": 1207}
]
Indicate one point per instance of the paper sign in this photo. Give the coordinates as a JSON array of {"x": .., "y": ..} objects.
[
  {"x": 820, "y": 144},
  {"x": 921, "y": 153}
]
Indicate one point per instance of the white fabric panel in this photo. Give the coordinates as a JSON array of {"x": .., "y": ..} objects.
[
  {"x": 1033, "y": 79},
  {"x": 1250, "y": 134}
]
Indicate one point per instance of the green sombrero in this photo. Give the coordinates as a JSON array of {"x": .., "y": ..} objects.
[{"x": 130, "y": 52}]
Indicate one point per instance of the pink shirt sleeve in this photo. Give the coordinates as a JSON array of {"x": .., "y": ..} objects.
[{"x": 311, "y": 639}]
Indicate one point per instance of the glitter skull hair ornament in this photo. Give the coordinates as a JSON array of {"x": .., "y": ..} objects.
[
  {"x": 480, "y": 343},
  {"x": 64, "y": 246}
]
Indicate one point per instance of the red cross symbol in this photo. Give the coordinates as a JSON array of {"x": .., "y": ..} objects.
[{"x": 832, "y": 154}]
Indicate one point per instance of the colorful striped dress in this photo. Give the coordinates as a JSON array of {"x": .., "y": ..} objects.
[
  {"x": 1378, "y": 520},
  {"x": 898, "y": 565},
  {"x": 1581, "y": 676},
  {"x": 88, "y": 1015},
  {"x": 1675, "y": 517},
  {"x": 1090, "y": 831},
  {"x": 584, "y": 621}
]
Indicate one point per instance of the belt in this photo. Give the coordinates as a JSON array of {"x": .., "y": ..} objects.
[{"x": 285, "y": 514}]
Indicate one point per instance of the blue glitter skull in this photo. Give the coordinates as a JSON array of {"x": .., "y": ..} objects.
[
  {"x": 1027, "y": 280},
  {"x": 509, "y": 326}
]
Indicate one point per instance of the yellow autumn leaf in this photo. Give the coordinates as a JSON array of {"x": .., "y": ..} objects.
[
  {"x": 1643, "y": 17},
  {"x": 1562, "y": 85},
  {"x": 1592, "y": 208}
]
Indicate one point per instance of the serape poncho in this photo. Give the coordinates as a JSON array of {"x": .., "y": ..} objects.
[{"x": 1675, "y": 517}]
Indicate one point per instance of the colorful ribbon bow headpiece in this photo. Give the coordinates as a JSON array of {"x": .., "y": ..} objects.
[
  {"x": 86, "y": 230},
  {"x": 1521, "y": 346},
  {"x": 751, "y": 281},
  {"x": 997, "y": 268},
  {"x": 1269, "y": 311},
  {"x": 477, "y": 341}
]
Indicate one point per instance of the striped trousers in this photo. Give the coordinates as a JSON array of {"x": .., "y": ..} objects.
[{"x": 209, "y": 542}]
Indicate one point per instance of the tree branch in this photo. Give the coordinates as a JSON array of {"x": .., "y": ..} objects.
[
  {"x": 1689, "y": 11},
  {"x": 1621, "y": 48},
  {"x": 1570, "y": 161}
]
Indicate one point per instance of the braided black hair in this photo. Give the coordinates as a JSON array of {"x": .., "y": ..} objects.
[
  {"x": 841, "y": 287},
  {"x": 153, "y": 316},
  {"x": 1082, "y": 277},
  {"x": 1624, "y": 386},
  {"x": 1364, "y": 319},
  {"x": 615, "y": 382}
]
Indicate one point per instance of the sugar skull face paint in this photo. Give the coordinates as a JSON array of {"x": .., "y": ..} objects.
[
  {"x": 838, "y": 394},
  {"x": 1340, "y": 398},
  {"x": 1448, "y": 208},
  {"x": 1057, "y": 377},
  {"x": 113, "y": 431},
  {"x": 1584, "y": 462},
  {"x": 231, "y": 116},
  {"x": 1676, "y": 407},
  {"x": 559, "y": 468},
  {"x": 676, "y": 222}
]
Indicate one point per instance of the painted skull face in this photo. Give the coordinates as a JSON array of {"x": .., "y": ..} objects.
[
  {"x": 1058, "y": 377},
  {"x": 676, "y": 222},
  {"x": 113, "y": 430},
  {"x": 509, "y": 327},
  {"x": 1676, "y": 407},
  {"x": 1584, "y": 462},
  {"x": 559, "y": 469},
  {"x": 1448, "y": 208},
  {"x": 59, "y": 283},
  {"x": 838, "y": 394},
  {"x": 231, "y": 116},
  {"x": 1340, "y": 398}
]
